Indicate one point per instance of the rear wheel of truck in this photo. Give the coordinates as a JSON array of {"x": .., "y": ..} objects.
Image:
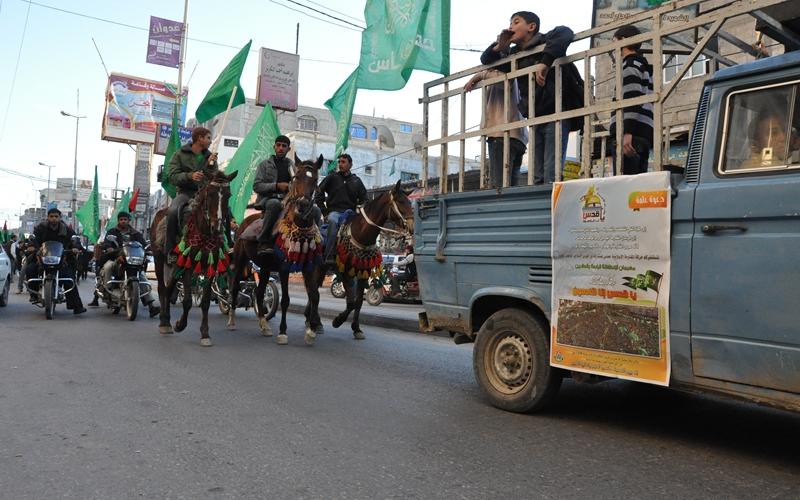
[{"x": 511, "y": 360}]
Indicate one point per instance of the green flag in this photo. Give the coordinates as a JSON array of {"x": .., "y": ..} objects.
[
  {"x": 89, "y": 213},
  {"x": 216, "y": 100},
  {"x": 172, "y": 147},
  {"x": 341, "y": 107},
  {"x": 122, "y": 206},
  {"x": 257, "y": 146},
  {"x": 401, "y": 37}
]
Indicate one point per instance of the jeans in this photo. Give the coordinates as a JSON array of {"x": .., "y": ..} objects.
[
  {"x": 333, "y": 230},
  {"x": 173, "y": 224},
  {"x": 515, "y": 151},
  {"x": 544, "y": 160}
]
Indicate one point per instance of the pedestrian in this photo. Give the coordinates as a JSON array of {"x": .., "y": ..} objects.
[
  {"x": 54, "y": 229},
  {"x": 27, "y": 254},
  {"x": 494, "y": 115},
  {"x": 637, "y": 121},
  {"x": 271, "y": 185},
  {"x": 11, "y": 250},
  {"x": 338, "y": 192},
  {"x": 188, "y": 169},
  {"x": 523, "y": 32}
]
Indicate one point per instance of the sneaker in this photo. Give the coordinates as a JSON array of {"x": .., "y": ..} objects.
[
  {"x": 33, "y": 299},
  {"x": 79, "y": 310},
  {"x": 154, "y": 311}
]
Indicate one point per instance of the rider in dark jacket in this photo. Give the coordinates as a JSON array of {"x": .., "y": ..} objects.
[{"x": 338, "y": 192}]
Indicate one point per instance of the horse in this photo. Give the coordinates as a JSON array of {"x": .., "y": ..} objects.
[
  {"x": 357, "y": 255},
  {"x": 203, "y": 249},
  {"x": 298, "y": 248}
]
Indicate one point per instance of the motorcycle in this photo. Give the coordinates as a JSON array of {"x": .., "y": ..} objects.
[
  {"x": 247, "y": 293},
  {"x": 51, "y": 286},
  {"x": 127, "y": 290},
  {"x": 374, "y": 294},
  {"x": 408, "y": 290}
]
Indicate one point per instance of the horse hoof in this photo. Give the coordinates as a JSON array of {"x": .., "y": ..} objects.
[
  {"x": 358, "y": 335},
  {"x": 165, "y": 330},
  {"x": 283, "y": 339},
  {"x": 206, "y": 342},
  {"x": 266, "y": 331},
  {"x": 310, "y": 336},
  {"x": 320, "y": 330},
  {"x": 337, "y": 322},
  {"x": 231, "y": 326},
  {"x": 179, "y": 327}
]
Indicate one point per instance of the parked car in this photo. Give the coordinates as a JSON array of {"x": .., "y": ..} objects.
[{"x": 5, "y": 277}]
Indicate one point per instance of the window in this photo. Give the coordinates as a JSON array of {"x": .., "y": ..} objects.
[
  {"x": 358, "y": 131},
  {"x": 674, "y": 62},
  {"x": 307, "y": 122},
  {"x": 408, "y": 176},
  {"x": 405, "y": 127},
  {"x": 369, "y": 170},
  {"x": 373, "y": 133},
  {"x": 761, "y": 130}
]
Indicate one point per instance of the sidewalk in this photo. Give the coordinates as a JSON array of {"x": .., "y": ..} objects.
[{"x": 387, "y": 315}]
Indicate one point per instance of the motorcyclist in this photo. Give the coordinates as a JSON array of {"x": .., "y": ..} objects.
[
  {"x": 116, "y": 237},
  {"x": 407, "y": 274},
  {"x": 54, "y": 229}
]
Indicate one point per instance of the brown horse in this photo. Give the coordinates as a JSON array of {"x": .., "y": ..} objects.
[
  {"x": 203, "y": 251},
  {"x": 357, "y": 256},
  {"x": 298, "y": 248}
]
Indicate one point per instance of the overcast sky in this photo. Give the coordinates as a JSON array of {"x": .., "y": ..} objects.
[{"x": 58, "y": 57}]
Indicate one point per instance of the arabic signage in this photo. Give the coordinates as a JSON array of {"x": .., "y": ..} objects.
[
  {"x": 135, "y": 106},
  {"x": 141, "y": 175},
  {"x": 608, "y": 11},
  {"x": 164, "y": 42},
  {"x": 611, "y": 264},
  {"x": 277, "y": 79},
  {"x": 162, "y": 137}
]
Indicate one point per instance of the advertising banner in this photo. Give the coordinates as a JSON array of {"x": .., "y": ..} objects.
[
  {"x": 164, "y": 42},
  {"x": 162, "y": 137},
  {"x": 135, "y": 106},
  {"x": 277, "y": 79},
  {"x": 611, "y": 263},
  {"x": 608, "y": 11},
  {"x": 141, "y": 175}
]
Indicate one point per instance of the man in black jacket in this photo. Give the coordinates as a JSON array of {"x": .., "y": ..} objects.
[
  {"x": 54, "y": 229},
  {"x": 338, "y": 192},
  {"x": 524, "y": 33},
  {"x": 271, "y": 184}
]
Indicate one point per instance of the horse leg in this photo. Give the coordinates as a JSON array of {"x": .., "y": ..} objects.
[
  {"x": 361, "y": 284},
  {"x": 263, "y": 324},
  {"x": 349, "y": 290},
  {"x": 205, "y": 303},
  {"x": 283, "y": 339},
  {"x": 180, "y": 325},
  {"x": 311, "y": 312},
  {"x": 233, "y": 288},
  {"x": 164, "y": 292}
]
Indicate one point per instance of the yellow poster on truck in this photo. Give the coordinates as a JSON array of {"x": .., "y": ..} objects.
[{"x": 611, "y": 261}]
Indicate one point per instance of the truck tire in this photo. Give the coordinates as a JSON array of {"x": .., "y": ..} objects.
[{"x": 511, "y": 360}]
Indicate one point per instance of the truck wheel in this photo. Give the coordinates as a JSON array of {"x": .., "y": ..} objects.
[{"x": 511, "y": 360}]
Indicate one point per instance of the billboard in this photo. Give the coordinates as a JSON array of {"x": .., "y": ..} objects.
[
  {"x": 164, "y": 42},
  {"x": 135, "y": 106},
  {"x": 277, "y": 79},
  {"x": 608, "y": 11},
  {"x": 162, "y": 137}
]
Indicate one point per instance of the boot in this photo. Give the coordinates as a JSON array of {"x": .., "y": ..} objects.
[
  {"x": 154, "y": 309},
  {"x": 94, "y": 302}
]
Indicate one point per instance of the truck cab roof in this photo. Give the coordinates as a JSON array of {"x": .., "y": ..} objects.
[{"x": 761, "y": 66}]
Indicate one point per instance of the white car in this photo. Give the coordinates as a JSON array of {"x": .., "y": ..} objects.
[{"x": 5, "y": 277}]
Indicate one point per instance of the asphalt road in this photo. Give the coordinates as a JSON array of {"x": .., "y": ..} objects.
[{"x": 95, "y": 406}]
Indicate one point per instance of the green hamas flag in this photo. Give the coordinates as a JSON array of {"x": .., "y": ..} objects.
[
  {"x": 257, "y": 146},
  {"x": 216, "y": 100},
  {"x": 122, "y": 206},
  {"x": 89, "y": 214},
  {"x": 341, "y": 107},
  {"x": 172, "y": 147},
  {"x": 401, "y": 37}
]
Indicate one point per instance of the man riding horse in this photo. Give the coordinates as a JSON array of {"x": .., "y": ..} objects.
[
  {"x": 188, "y": 169},
  {"x": 271, "y": 185}
]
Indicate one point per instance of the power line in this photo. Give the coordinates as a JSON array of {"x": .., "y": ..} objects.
[
  {"x": 14, "y": 78},
  {"x": 330, "y": 9},
  {"x": 315, "y": 17},
  {"x": 325, "y": 14}
]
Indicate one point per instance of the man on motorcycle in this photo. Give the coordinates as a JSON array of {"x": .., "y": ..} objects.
[
  {"x": 406, "y": 275},
  {"x": 54, "y": 229},
  {"x": 116, "y": 237}
]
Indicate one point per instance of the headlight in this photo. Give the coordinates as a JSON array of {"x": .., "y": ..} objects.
[
  {"x": 51, "y": 260},
  {"x": 135, "y": 261}
]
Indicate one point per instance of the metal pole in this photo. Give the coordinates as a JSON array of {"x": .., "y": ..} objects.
[
  {"x": 75, "y": 167},
  {"x": 297, "y": 40}
]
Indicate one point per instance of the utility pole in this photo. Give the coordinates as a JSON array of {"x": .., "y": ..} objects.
[
  {"x": 75, "y": 166},
  {"x": 49, "y": 169}
]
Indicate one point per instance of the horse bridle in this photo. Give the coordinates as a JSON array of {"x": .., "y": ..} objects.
[
  {"x": 305, "y": 214},
  {"x": 220, "y": 214},
  {"x": 396, "y": 210}
]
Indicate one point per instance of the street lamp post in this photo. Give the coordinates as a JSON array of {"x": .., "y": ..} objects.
[
  {"x": 75, "y": 167},
  {"x": 49, "y": 169}
]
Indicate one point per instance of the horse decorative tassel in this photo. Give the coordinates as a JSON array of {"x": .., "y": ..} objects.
[
  {"x": 363, "y": 261},
  {"x": 203, "y": 252},
  {"x": 299, "y": 247}
]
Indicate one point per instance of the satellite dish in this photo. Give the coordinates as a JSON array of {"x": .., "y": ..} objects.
[{"x": 385, "y": 137}]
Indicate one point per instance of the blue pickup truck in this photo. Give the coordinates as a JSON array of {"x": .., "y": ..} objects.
[{"x": 485, "y": 270}]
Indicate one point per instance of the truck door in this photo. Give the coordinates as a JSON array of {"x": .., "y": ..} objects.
[{"x": 745, "y": 288}]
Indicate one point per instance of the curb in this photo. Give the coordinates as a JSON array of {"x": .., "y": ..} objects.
[{"x": 367, "y": 318}]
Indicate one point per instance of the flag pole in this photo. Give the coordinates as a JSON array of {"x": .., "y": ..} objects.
[
  {"x": 179, "y": 90},
  {"x": 215, "y": 145}
]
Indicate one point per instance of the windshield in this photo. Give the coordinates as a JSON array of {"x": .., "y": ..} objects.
[{"x": 54, "y": 248}]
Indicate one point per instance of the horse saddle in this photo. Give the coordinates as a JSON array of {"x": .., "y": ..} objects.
[{"x": 252, "y": 231}]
